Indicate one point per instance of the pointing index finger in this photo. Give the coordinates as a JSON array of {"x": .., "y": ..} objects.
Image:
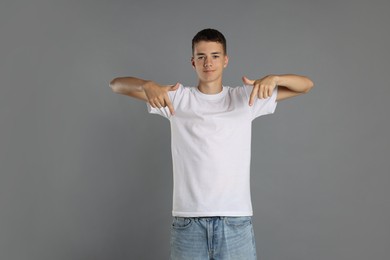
[
  {"x": 253, "y": 95},
  {"x": 169, "y": 104}
]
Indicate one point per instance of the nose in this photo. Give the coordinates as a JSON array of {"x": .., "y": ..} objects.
[{"x": 207, "y": 63}]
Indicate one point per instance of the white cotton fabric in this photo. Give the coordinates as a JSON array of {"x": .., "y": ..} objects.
[{"x": 211, "y": 149}]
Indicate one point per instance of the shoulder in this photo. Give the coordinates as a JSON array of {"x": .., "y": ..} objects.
[
  {"x": 185, "y": 90},
  {"x": 242, "y": 90},
  {"x": 184, "y": 87},
  {"x": 180, "y": 92},
  {"x": 239, "y": 88}
]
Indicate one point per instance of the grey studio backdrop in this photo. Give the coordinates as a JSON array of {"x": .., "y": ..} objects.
[{"x": 87, "y": 174}]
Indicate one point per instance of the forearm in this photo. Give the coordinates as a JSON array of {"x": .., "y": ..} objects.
[
  {"x": 293, "y": 82},
  {"x": 127, "y": 85}
]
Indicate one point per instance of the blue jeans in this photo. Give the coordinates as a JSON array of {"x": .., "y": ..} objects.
[{"x": 218, "y": 238}]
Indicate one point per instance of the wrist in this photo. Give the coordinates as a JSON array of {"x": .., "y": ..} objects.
[
  {"x": 147, "y": 84},
  {"x": 276, "y": 79}
]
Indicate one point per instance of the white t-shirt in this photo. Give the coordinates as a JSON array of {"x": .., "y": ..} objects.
[{"x": 211, "y": 149}]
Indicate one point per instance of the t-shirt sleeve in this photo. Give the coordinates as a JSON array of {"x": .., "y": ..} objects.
[
  {"x": 174, "y": 96},
  {"x": 262, "y": 106}
]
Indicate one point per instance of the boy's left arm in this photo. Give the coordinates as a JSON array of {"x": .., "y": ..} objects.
[{"x": 289, "y": 85}]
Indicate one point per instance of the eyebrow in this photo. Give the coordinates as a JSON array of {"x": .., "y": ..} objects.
[{"x": 201, "y": 53}]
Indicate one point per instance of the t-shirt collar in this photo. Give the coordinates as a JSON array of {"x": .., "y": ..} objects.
[{"x": 211, "y": 96}]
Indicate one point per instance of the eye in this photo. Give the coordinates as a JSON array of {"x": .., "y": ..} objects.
[
  {"x": 200, "y": 57},
  {"x": 215, "y": 56}
]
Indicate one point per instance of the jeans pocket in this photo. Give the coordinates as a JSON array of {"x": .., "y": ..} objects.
[
  {"x": 238, "y": 221},
  {"x": 181, "y": 223}
]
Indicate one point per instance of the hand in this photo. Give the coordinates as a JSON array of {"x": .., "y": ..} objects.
[
  {"x": 158, "y": 95},
  {"x": 262, "y": 88}
]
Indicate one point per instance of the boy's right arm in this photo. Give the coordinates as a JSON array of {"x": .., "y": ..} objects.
[{"x": 146, "y": 90}]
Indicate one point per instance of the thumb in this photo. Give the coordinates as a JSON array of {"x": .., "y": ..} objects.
[
  {"x": 174, "y": 87},
  {"x": 247, "y": 81}
]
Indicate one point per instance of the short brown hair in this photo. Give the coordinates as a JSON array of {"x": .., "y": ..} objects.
[{"x": 209, "y": 35}]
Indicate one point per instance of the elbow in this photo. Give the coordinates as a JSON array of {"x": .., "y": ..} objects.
[
  {"x": 114, "y": 85},
  {"x": 310, "y": 85}
]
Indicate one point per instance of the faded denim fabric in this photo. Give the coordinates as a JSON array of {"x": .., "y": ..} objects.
[{"x": 217, "y": 238}]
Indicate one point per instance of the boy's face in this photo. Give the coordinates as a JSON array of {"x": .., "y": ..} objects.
[{"x": 209, "y": 61}]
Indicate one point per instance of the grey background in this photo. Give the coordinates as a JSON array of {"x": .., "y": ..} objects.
[{"x": 86, "y": 173}]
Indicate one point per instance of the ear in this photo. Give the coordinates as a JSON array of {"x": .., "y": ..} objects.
[
  {"x": 193, "y": 62},
  {"x": 226, "y": 61}
]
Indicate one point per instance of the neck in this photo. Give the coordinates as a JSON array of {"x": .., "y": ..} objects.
[{"x": 210, "y": 88}]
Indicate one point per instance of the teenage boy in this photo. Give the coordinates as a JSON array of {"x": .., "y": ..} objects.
[{"x": 211, "y": 148}]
